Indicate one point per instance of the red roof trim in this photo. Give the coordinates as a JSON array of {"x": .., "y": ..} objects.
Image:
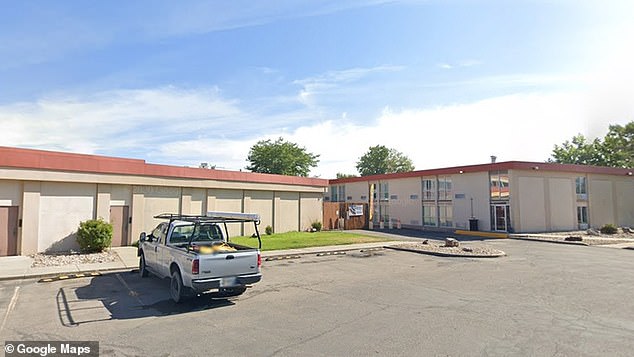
[
  {"x": 508, "y": 165},
  {"x": 60, "y": 161}
]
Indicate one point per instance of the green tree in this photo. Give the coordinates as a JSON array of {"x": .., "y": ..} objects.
[
  {"x": 382, "y": 160},
  {"x": 281, "y": 157},
  {"x": 615, "y": 150}
]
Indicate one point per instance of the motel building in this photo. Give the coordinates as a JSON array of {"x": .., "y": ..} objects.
[
  {"x": 497, "y": 197},
  {"x": 45, "y": 195}
]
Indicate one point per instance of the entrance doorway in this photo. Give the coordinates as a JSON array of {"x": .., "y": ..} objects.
[
  {"x": 9, "y": 230},
  {"x": 119, "y": 218},
  {"x": 500, "y": 217}
]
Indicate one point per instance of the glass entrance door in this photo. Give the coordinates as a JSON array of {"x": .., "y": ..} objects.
[{"x": 500, "y": 217}]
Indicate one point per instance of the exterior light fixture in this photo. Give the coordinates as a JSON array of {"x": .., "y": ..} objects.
[
  {"x": 535, "y": 167},
  {"x": 629, "y": 173},
  {"x": 462, "y": 172}
]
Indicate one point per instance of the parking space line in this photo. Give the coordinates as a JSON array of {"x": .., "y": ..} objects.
[
  {"x": 131, "y": 292},
  {"x": 11, "y": 306}
]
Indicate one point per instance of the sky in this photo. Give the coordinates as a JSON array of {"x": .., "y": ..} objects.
[{"x": 184, "y": 82}]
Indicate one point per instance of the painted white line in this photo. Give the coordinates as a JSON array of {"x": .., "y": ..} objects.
[
  {"x": 10, "y": 308},
  {"x": 131, "y": 292}
]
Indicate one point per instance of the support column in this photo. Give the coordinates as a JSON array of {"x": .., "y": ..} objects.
[
  {"x": 103, "y": 202},
  {"x": 138, "y": 207},
  {"x": 29, "y": 242}
]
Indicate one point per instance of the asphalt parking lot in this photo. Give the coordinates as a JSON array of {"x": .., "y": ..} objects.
[{"x": 542, "y": 299}]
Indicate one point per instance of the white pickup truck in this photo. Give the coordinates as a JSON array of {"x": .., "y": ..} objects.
[{"x": 195, "y": 253}]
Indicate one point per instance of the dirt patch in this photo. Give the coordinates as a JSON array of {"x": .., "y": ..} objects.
[{"x": 438, "y": 248}]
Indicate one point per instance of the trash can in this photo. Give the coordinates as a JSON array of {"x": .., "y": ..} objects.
[{"x": 473, "y": 224}]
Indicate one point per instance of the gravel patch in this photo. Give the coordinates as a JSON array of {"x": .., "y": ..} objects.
[
  {"x": 54, "y": 260},
  {"x": 438, "y": 248},
  {"x": 579, "y": 237}
]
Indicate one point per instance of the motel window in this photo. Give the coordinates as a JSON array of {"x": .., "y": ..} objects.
[
  {"x": 582, "y": 215},
  {"x": 445, "y": 215},
  {"x": 499, "y": 185},
  {"x": 429, "y": 215},
  {"x": 444, "y": 188},
  {"x": 384, "y": 191},
  {"x": 429, "y": 189},
  {"x": 338, "y": 193},
  {"x": 581, "y": 186}
]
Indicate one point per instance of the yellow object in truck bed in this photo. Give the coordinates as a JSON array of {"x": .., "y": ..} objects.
[{"x": 224, "y": 247}]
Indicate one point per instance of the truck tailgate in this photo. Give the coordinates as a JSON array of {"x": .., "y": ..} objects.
[{"x": 228, "y": 264}]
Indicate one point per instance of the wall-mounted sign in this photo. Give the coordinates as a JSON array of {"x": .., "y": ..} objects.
[{"x": 355, "y": 210}]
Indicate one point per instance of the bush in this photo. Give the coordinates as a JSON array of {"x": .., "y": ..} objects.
[
  {"x": 609, "y": 229},
  {"x": 316, "y": 225},
  {"x": 268, "y": 230},
  {"x": 135, "y": 244},
  {"x": 94, "y": 235}
]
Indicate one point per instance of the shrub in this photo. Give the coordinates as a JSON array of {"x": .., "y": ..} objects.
[
  {"x": 94, "y": 235},
  {"x": 268, "y": 230},
  {"x": 609, "y": 229},
  {"x": 316, "y": 225},
  {"x": 135, "y": 244}
]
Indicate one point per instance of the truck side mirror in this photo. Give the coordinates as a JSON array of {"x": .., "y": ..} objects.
[{"x": 142, "y": 237}]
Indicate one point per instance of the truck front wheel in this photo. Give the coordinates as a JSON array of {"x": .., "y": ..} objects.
[
  {"x": 176, "y": 287},
  {"x": 142, "y": 267}
]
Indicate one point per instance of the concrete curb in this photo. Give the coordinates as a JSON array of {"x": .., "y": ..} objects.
[
  {"x": 70, "y": 272},
  {"x": 551, "y": 241},
  {"x": 445, "y": 255},
  {"x": 330, "y": 249}
]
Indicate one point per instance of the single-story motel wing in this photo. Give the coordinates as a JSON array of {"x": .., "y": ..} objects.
[{"x": 44, "y": 195}]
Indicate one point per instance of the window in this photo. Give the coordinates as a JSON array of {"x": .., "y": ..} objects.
[
  {"x": 444, "y": 188},
  {"x": 429, "y": 189},
  {"x": 582, "y": 216},
  {"x": 429, "y": 215},
  {"x": 581, "y": 188},
  {"x": 384, "y": 191},
  {"x": 445, "y": 216},
  {"x": 181, "y": 234},
  {"x": 338, "y": 193},
  {"x": 499, "y": 185},
  {"x": 159, "y": 232}
]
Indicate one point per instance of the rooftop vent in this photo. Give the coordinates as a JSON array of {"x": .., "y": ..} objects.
[{"x": 493, "y": 159}]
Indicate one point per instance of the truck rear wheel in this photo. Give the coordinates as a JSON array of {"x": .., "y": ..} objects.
[{"x": 176, "y": 287}]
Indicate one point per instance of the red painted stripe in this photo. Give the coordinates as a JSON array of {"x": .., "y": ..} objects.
[{"x": 60, "y": 161}]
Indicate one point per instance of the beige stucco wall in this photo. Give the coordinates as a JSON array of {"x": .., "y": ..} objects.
[
  {"x": 227, "y": 201},
  {"x": 562, "y": 199},
  {"x": 260, "y": 202},
  {"x": 62, "y": 207},
  {"x": 625, "y": 203},
  {"x": 156, "y": 200},
  {"x": 286, "y": 212},
  {"x": 120, "y": 195},
  {"x": 357, "y": 190},
  {"x": 473, "y": 186},
  {"x": 532, "y": 205},
  {"x": 10, "y": 193},
  {"x": 601, "y": 202},
  {"x": 311, "y": 209},
  {"x": 402, "y": 207}
]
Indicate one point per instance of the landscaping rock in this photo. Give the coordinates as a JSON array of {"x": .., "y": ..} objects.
[
  {"x": 593, "y": 232},
  {"x": 627, "y": 230},
  {"x": 573, "y": 239},
  {"x": 467, "y": 249},
  {"x": 451, "y": 242},
  {"x": 426, "y": 241}
]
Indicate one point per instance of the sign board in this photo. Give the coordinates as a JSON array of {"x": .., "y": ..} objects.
[{"x": 355, "y": 210}]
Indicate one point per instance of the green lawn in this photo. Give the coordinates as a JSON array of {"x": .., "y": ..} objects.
[{"x": 293, "y": 240}]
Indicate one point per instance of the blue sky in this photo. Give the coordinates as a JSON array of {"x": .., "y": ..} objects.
[{"x": 445, "y": 82}]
